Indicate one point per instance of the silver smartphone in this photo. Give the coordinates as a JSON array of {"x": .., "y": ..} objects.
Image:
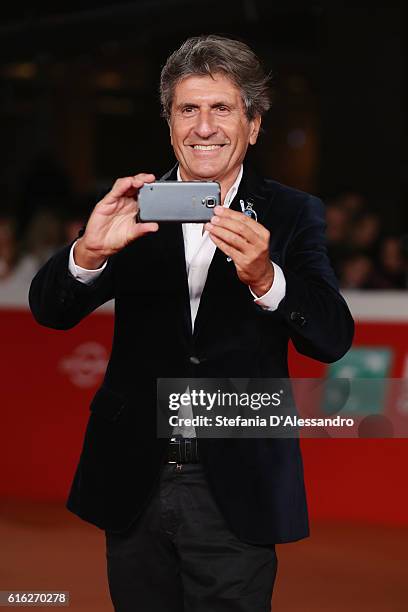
[{"x": 178, "y": 201}]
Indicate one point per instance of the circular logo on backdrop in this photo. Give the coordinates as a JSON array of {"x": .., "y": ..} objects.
[{"x": 86, "y": 365}]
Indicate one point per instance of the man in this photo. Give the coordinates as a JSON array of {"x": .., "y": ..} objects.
[{"x": 215, "y": 300}]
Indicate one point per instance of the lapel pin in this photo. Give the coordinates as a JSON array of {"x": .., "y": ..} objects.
[{"x": 248, "y": 209}]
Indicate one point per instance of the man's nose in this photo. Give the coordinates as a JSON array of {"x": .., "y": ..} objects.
[{"x": 205, "y": 125}]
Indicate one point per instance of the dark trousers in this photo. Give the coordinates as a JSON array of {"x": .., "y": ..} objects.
[{"x": 180, "y": 556}]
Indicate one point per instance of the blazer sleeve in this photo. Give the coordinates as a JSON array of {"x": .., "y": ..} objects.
[
  {"x": 319, "y": 321},
  {"x": 60, "y": 301}
]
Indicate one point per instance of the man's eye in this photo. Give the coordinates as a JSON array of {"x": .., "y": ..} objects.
[
  {"x": 188, "y": 110},
  {"x": 222, "y": 109}
]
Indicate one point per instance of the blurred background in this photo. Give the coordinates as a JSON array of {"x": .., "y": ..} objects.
[{"x": 79, "y": 107}]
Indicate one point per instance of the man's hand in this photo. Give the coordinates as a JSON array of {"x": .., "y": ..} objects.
[
  {"x": 247, "y": 243},
  {"x": 112, "y": 224}
]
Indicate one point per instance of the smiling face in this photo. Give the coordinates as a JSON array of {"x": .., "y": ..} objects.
[{"x": 209, "y": 129}]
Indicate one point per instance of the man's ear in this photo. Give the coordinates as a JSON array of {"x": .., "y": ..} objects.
[
  {"x": 255, "y": 126},
  {"x": 171, "y": 133}
]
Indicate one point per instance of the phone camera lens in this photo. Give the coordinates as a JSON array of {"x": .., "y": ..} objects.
[{"x": 210, "y": 202}]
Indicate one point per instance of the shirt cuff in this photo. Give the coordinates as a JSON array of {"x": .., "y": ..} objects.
[
  {"x": 273, "y": 297},
  {"x": 82, "y": 274}
]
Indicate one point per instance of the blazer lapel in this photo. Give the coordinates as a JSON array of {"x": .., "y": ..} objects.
[
  {"x": 173, "y": 244},
  {"x": 251, "y": 190}
]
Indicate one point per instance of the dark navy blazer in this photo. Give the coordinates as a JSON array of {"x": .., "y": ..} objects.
[{"x": 257, "y": 483}]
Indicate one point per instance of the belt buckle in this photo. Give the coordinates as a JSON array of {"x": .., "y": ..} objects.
[{"x": 182, "y": 450}]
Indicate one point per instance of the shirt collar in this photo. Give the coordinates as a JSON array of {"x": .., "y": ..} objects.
[{"x": 232, "y": 190}]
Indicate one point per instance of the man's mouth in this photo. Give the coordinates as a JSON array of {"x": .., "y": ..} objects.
[{"x": 212, "y": 147}]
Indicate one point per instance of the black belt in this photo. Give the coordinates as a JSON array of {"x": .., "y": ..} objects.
[{"x": 183, "y": 450}]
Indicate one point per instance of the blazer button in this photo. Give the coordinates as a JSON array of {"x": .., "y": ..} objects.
[
  {"x": 194, "y": 359},
  {"x": 298, "y": 318}
]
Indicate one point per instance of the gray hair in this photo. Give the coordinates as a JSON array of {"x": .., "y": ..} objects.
[{"x": 209, "y": 55}]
